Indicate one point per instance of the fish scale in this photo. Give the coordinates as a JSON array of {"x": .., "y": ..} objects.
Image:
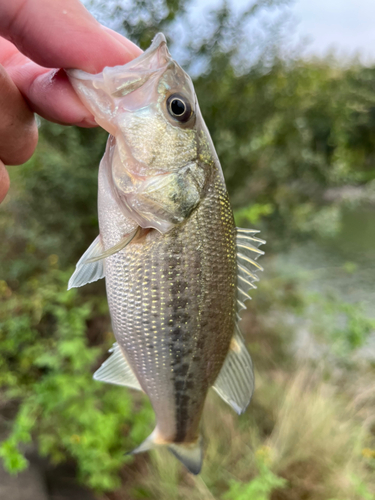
[
  {"x": 168, "y": 249},
  {"x": 170, "y": 328}
]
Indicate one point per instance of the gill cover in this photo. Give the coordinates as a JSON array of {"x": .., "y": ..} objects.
[{"x": 163, "y": 153}]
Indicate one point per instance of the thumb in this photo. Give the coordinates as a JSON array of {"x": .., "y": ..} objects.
[{"x": 4, "y": 181}]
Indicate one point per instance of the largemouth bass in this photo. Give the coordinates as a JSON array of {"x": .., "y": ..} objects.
[{"x": 177, "y": 270}]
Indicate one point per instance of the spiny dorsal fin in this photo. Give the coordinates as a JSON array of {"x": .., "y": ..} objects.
[
  {"x": 116, "y": 370},
  {"x": 87, "y": 273},
  {"x": 247, "y": 267},
  {"x": 235, "y": 382}
]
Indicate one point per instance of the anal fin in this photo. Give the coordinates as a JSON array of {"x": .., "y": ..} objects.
[
  {"x": 116, "y": 370},
  {"x": 235, "y": 382}
]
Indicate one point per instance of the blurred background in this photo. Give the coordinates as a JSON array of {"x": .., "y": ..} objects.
[{"x": 288, "y": 93}]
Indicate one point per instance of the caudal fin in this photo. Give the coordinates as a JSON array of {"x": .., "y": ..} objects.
[{"x": 189, "y": 454}]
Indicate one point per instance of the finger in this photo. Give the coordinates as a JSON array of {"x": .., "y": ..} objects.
[
  {"x": 18, "y": 130},
  {"x": 4, "y": 181},
  {"x": 62, "y": 34},
  {"x": 121, "y": 39},
  {"x": 48, "y": 92}
]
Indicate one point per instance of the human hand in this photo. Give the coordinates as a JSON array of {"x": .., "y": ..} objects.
[{"x": 36, "y": 36}]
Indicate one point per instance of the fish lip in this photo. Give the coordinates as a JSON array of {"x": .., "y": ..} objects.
[
  {"x": 158, "y": 41},
  {"x": 79, "y": 74}
]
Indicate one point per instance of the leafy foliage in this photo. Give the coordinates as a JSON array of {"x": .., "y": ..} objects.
[
  {"x": 259, "y": 488},
  {"x": 346, "y": 326},
  {"x": 59, "y": 186},
  {"x": 47, "y": 365}
]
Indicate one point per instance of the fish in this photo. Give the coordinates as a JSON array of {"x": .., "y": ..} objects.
[{"x": 177, "y": 270}]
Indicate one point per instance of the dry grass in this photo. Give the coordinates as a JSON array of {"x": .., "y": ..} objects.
[
  {"x": 315, "y": 431},
  {"x": 316, "y": 443}
]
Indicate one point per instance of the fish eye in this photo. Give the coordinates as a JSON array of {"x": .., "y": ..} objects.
[{"x": 179, "y": 107}]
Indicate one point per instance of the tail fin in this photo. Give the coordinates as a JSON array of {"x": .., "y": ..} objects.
[{"x": 189, "y": 454}]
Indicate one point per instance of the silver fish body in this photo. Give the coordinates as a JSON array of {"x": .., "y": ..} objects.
[{"x": 173, "y": 289}]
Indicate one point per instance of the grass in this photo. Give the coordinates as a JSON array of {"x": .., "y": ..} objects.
[
  {"x": 316, "y": 445},
  {"x": 307, "y": 435},
  {"x": 317, "y": 441}
]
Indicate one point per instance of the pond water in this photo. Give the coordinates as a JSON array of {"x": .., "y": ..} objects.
[{"x": 343, "y": 264}]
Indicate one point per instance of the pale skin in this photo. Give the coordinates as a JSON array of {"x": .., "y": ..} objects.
[{"x": 37, "y": 37}]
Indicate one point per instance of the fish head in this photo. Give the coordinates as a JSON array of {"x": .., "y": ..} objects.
[{"x": 164, "y": 154}]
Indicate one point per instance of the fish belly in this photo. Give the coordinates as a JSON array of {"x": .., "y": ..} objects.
[{"x": 172, "y": 304}]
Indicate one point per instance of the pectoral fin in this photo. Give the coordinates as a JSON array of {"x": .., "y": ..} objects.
[
  {"x": 87, "y": 273},
  {"x": 116, "y": 370},
  {"x": 235, "y": 382},
  {"x": 116, "y": 248},
  {"x": 90, "y": 266}
]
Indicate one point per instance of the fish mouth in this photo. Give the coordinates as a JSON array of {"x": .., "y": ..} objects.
[
  {"x": 157, "y": 54},
  {"x": 124, "y": 79}
]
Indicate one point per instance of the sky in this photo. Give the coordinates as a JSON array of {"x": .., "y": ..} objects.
[
  {"x": 346, "y": 25},
  {"x": 320, "y": 26}
]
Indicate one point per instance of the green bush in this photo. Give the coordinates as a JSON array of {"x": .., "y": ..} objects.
[
  {"x": 46, "y": 366},
  {"x": 261, "y": 486}
]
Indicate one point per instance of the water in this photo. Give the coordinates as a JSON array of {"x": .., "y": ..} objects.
[{"x": 343, "y": 265}]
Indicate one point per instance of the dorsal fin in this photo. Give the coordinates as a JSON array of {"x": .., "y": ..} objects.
[
  {"x": 116, "y": 370},
  {"x": 235, "y": 382},
  {"x": 247, "y": 267}
]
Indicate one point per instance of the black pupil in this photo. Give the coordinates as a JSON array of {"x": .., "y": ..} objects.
[{"x": 177, "y": 107}]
